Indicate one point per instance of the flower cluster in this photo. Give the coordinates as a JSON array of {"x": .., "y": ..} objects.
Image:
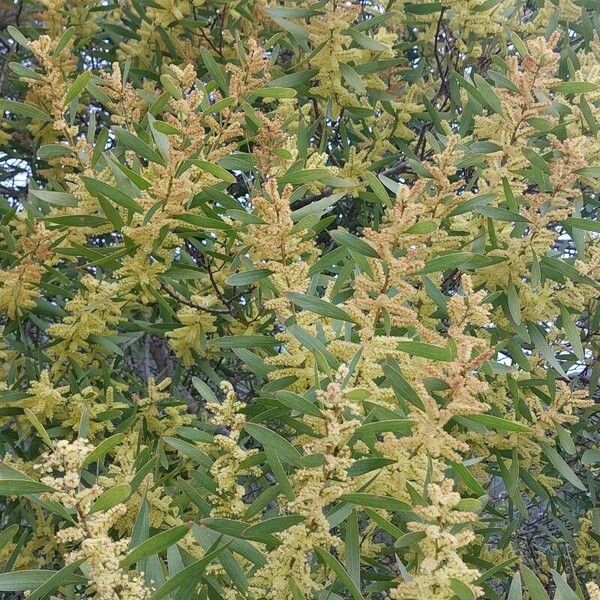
[{"x": 61, "y": 470}]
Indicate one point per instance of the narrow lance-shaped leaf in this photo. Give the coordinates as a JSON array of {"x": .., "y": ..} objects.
[
  {"x": 156, "y": 544},
  {"x": 561, "y": 466},
  {"x": 275, "y": 443},
  {"x": 318, "y": 306},
  {"x": 336, "y": 566},
  {"x": 139, "y": 146},
  {"x": 25, "y": 110},
  {"x": 350, "y": 241}
]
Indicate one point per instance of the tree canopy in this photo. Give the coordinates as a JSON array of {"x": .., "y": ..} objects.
[{"x": 299, "y": 299}]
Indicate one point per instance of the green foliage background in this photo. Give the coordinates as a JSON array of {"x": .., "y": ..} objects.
[{"x": 376, "y": 222}]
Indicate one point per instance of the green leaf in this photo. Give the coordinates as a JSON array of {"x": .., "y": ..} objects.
[
  {"x": 24, "y": 110},
  {"x": 204, "y": 390},
  {"x": 566, "y": 440},
  {"x": 141, "y": 148},
  {"x": 166, "y": 128},
  {"x": 203, "y": 222},
  {"x": 155, "y": 545},
  {"x": 572, "y": 332},
  {"x": 171, "y": 87},
  {"x": 25, "y": 72},
  {"x": 425, "y": 350},
  {"x": 231, "y": 527},
  {"x": 350, "y": 241},
  {"x": 160, "y": 139},
  {"x": 99, "y": 188},
  {"x": 488, "y": 94},
  {"x": 244, "y": 341},
  {"x": 77, "y": 87},
  {"x": 468, "y": 479},
  {"x": 106, "y": 343},
  {"x": 585, "y": 224},
  {"x": 293, "y": 80},
  {"x": 215, "y": 71},
  {"x": 280, "y": 474},
  {"x": 297, "y": 32},
  {"x": 498, "y": 423},
  {"x": 562, "y": 467},
  {"x": 587, "y": 114},
  {"x": 272, "y": 525},
  {"x": 318, "y": 306},
  {"x": 21, "y": 487},
  {"x": 140, "y": 182},
  {"x": 20, "y": 581},
  {"x": 593, "y": 172},
  {"x": 318, "y": 207},
  {"x": 275, "y": 443},
  {"x": 302, "y": 176},
  {"x": 342, "y": 575},
  {"x": 13, "y": 396},
  {"x": 366, "y": 465},
  {"x": 519, "y": 45},
  {"x": 188, "y": 576},
  {"x": 111, "y": 497},
  {"x": 7, "y": 535},
  {"x": 54, "y": 198},
  {"x": 576, "y": 87},
  {"x": 539, "y": 341},
  {"x": 100, "y": 146},
  {"x": 247, "y": 277},
  {"x": 274, "y": 92},
  {"x": 516, "y": 591},
  {"x": 461, "y": 589},
  {"x": 376, "y": 66},
  {"x": 422, "y": 227},
  {"x": 445, "y": 262},
  {"x": 378, "y": 187},
  {"x": 423, "y": 9},
  {"x": 215, "y": 170},
  {"x": 366, "y": 41},
  {"x": 298, "y": 403},
  {"x": 65, "y": 38},
  {"x": 402, "y": 426},
  {"x": 16, "y": 35},
  {"x": 189, "y": 450},
  {"x": 50, "y": 151},
  {"x": 352, "y": 78},
  {"x": 103, "y": 448},
  {"x": 563, "y": 591},
  {"x": 564, "y": 268},
  {"x": 373, "y": 501},
  {"x": 112, "y": 214},
  {"x": 514, "y": 303},
  {"x": 472, "y": 204},
  {"x": 500, "y": 214},
  {"x": 352, "y": 548},
  {"x": 590, "y": 457},
  {"x": 63, "y": 577},
  {"x": 38, "y": 427},
  {"x": 470, "y": 504},
  {"x": 401, "y": 386},
  {"x": 533, "y": 584},
  {"x": 472, "y": 90}
]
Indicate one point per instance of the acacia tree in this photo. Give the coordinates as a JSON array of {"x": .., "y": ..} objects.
[{"x": 300, "y": 299}]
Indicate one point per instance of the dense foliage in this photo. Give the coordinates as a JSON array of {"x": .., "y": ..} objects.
[{"x": 300, "y": 299}]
